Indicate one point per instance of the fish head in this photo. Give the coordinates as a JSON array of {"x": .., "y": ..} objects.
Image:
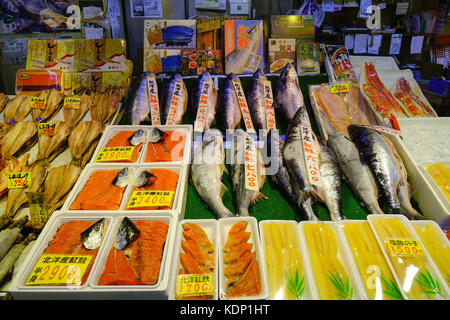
[
  {"x": 157, "y": 135},
  {"x": 92, "y": 237},
  {"x": 232, "y": 76},
  {"x": 176, "y": 77},
  {"x": 137, "y": 137},
  {"x": 205, "y": 76},
  {"x": 144, "y": 178},
  {"x": 259, "y": 76},
  {"x": 121, "y": 179},
  {"x": 357, "y": 132},
  {"x": 127, "y": 233}
]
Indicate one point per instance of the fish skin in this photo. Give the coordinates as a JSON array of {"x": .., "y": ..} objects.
[
  {"x": 127, "y": 233},
  {"x": 382, "y": 162},
  {"x": 137, "y": 104},
  {"x": 212, "y": 98},
  {"x": 167, "y": 93},
  {"x": 229, "y": 110},
  {"x": 206, "y": 172},
  {"x": 92, "y": 237},
  {"x": 244, "y": 198},
  {"x": 256, "y": 100},
  {"x": 288, "y": 96}
]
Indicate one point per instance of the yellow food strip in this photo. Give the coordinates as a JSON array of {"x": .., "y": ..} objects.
[
  {"x": 441, "y": 175},
  {"x": 377, "y": 278},
  {"x": 283, "y": 261},
  {"x": 415, "y": 274},
  {"x": 437, "y": 248},
  {"x": 332, "y": 280}
]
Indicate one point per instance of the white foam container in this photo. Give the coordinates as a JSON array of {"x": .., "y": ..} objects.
[
  {"x": 429, "y": 197},
  {"x": 179, "y": 202},
  {"x": 343, "y": 255},
  {"x": 224, "y": 226},
  {"x": 407, "y": 224},
  {"x": 112, "y": 130},
  {"x": 382, "y": 63},
  {"x": 310, "y": 292},
  {"x": 210, "y": 226}
]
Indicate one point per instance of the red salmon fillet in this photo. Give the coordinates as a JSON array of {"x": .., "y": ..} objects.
[
  {"x": 247, "y": 285},
  {"x": 170, "y": 148},
  {"x": 121, "y": 140}
]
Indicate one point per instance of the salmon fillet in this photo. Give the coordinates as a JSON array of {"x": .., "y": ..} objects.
[
  {"x": 195, "y": 233},
  {"x": 334, "y": 107},
  {"x": 169, "y": 148},
  {"x": 117, "y": 270},
  {"x": 247, "y": 285},
  {"x": 121, "y": 140},
  {"x": 236, "y": 252}
]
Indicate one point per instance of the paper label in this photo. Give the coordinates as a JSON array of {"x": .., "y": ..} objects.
[
  {"x": 114, "y": 154},
  {"x": 270, "y": 112},
  {"x": 243, "y": 106},
  {"x": 396, "y": 43},
  {"x": 19, "y": 180},
  {"x": 349, "y": 41},
  {"x": 311, "y": 156},
  {"x": 150, "y": 198},
  {"x": 55, "y": 269},
  {"x": 72, "y": 103},
  {"x": 405, "y": 247},
  {"x": 38, "y": 212},
  {"x": 202, "y": 110},
  {"x": 251, "y": 165},
  {"x": 174, "y": 104},
  {"x": 195, "y": 284},
  {"x": 360, "y": 45},
  {"x": 373, "y": 46},
  {"x": 416, "y": 44},
  {"x": 153, "y": 100},
  {"x": 46, "y": 128},
  {"x": 339, "y": 88},
  {"x": 38, "y": 103},
  {"x": 385, "y": 130}
]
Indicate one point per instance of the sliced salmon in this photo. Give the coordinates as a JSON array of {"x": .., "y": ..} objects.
[
  {"x": 249, "y": 284},
  {"x": 202, "y": 256},
  {"x": 239, "y": 266},
  {"x": 190, "y": 264},
  {"x": 193, "y": 232},
  {"x": 237, "y": 251},
  {"x": 336, "y": 110},
  {"x": 235, "y": 239},
  {"x": 169, "y": 148},
  {"x": 121, "y": 139},
  {"x": 117, "y": 270}
]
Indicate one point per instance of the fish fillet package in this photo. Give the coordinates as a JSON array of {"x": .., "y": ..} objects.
[
  {"x": 244, "y": 46},
  {"x": 170, "y": 34},
  {"x": 51, "y": 54},
  {"x": 99, "y": 55}
]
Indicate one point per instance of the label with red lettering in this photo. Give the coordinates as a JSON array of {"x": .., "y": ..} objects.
[
  {"x": 153, "y": 100},
  {"x": 244, "y": 107},
  {"x": 311, "y": 156},
  {"x": 251, "y": 164},
  {"x": 270, "y": 112},
  {"x": 174, "y": 104},
  {"x": 202, "y": 110},
  {"x": 385, "y": 130}
]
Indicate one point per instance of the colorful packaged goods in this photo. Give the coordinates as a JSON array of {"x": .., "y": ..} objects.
[
  {"x": 308, "y": 59},
  {"x": 281, "y": 52},
  {"x": 170, "y": 34},
  {"x": 51, "y": 54},
  {"x": 299, "y": 27},
  {"x": 100, "y": 55},
  {"x": 339, "y": 62},
  {"x": 195, "y": 62}
]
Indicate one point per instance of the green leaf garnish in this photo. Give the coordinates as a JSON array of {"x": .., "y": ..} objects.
[
  {"x": 426, "y": 280},
  {"x": 392, "y": 289},
  {"x": 295, "y": 285},
  {"x": 345, "y": 291}
]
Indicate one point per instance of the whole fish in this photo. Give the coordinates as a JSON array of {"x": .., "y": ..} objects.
[
  {"x": 382, "y": 162},
  {"x": 18, "y": 139},
  {"x": 8, "y": 236},
  {"x": 243, "y": 197},
  {"x": 205, "y": 85},
  {"x": 229, "y": 110},
  {"x": 49, "y": 147},
  {"x": 206, "y": 172},
  {"x": 256, "y": 100},
  {"x": 55, "y": 100},
  {"x": 238, "y": 59},
  {"x": 17, "y": 109},
  {"x": 8, "y": 262},
  {"x": 288, "y": 96},
  {"x": 75, "y": 115},
  {"x": 174, "y": 94},
  {"x": 137, "y": 104}
]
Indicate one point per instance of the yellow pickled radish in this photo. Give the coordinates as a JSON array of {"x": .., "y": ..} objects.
[{"x": 440, "y": 173}]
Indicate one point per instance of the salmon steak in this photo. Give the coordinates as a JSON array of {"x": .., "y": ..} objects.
[{"x": 168, "y": 146}]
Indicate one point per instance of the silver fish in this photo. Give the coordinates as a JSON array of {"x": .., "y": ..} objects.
[
  {"x": 175, "y": 90},
  {"x": 256, "y": 100},
  {"x": 238, "y": 60},
  {"x": 206, "y": 172},
  {"x": 137, "y": 104},
  {"x": 244, "y": 198},
  {"x": 143, "y": 178},
  {"x": 206, "y": 84},
  {"x": 229, "y": 110},
  {"x": 137, "y": 137},
  {"x": 122, "y": 178},
  {"x": 92, "y": 237},
  {"x": 156, "y": 135},
  {"x": 288, "y": 96},
  {"x": 127, "y": 233}
]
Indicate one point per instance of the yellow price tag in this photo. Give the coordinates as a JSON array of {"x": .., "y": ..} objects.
[
  {"x": 56, "y": 269},
  {"x": 19, "y": 180},
  {"x": 150, "y": 198},
  {"x": 340, "y": 88},
  {"x": 72, "y": 103},
  {"x": 195, "y": 284},
  {"x": 38, "y": 211},
  {"x": 114, "y": 154},
  {"x": 405, "y": 247},
  {"x": 38, "y": 103},
  {"x": 46, "y": 128}
]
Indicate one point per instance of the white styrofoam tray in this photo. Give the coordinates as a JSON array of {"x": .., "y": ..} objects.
[
  {"x": 110, "y": 131},
  {"x": 382, "y": 63},
  {"x": 210, "y": 226},
  {"x": 310, "y": 292},
  {"x": 343, "y": 255},
  {"x": 223, "y": 228}
]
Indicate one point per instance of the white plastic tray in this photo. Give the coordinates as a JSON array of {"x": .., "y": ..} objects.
[
  {"x": 224, "y": 226},
  {"x": 210, "y": 226},
  {"x": 381, "y": 63}
]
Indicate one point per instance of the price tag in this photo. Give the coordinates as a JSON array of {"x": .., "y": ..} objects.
[
  {"x": 153, "y": 100},
  {"x": 46, "y": 128},
  {"x": 339, "y": 88},
  {"x": 405, "y": 247},
  {"x": 150, "y": 198},
  {"x": 202, "y": 111},
  {"x": 174, "y": 104},
  {"x": 19, "y": 180},
  {"x": 38, "y": 212},
  {"x": 311, "y": 156},
  {"x": 55, "y": 269},
  {"x": 251, "y": 165},
  {"x": 72, "y": 103},
  {"x": 385, "y": 130},
  {"x": 107, "y": 154},
  {"x": 38, "y": 103},
  {"x": 243, "y": 106},
  {"x": 195, "y": 284},
  {"x": 270, "y": 112}
]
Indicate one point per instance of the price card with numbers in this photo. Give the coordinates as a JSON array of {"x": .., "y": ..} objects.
[
  {"x": 72, "y": 103},
  {"x": 150, "y": 198},
  {"x": 311, "y": 155},
  {"x": 340, "y": 88},
  {"x": 38, "y": 103},
  {"x": 153, "y": 100},
  {"x": 38, "y": 211},
  {"x": 174, "y": 103},
  {"x": 270, "y": 112},
  {"x": 111, "y": 154},
  {"x": 243, "y": 106},
  {"x": 195, "y": 284},
  {"x": 18, "y": 180},
  {"x": 405, "y": 247},
  {"x": 251, "y": 164},
  {"x": 56, "y": 269},
  {"x": 46, "y": 128},
  {"x": 202, "y": 111}
]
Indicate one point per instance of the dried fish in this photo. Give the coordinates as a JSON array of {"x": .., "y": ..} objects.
[
  {"x": 105, "y": 104},
  {"x": 75, "y": 115},
  {"x": 83, "y": 139},
  {"x": 54, "y": 102},
  {"x": 17, "y": 109},
  {"x": 49, "y": 147},
  {"x": 18, "y": 139}
]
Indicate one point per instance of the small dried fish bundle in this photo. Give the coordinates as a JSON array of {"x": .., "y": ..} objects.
[
  {"x": 17, "y": 109},
  {"x": 105, "y": 104},
  {"x": 73, "y": 115},
  {"x": 49, "y": 147},
  {"x": 54, "y": 101},
  {"x": 83, "y": 141},
  {"x": 3, "y": 100},
  {"x": 18, "y": 139}
]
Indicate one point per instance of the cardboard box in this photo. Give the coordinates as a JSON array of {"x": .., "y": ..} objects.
[
  {"x": 158, "y": 61},
  {"x": 51, "y": 54},
  {"x": 195, "y": 62},
  {"x": 281, "y": 52},
  {"x": 299, "y": 27},
  {"x": 170, "y": 34},
  {"x": 98, "y": 55}
]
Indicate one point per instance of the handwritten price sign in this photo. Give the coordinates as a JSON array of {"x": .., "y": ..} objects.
[
  {"x": 153, "y": 99},
  {"x": 72, "y": 103},
  {"x": 54, "y": 269},
  {"x": 114, "y": 154},
  {"x": 402, "y": 247},
  {"x": 243, "y": 106},
  {"x": 311, "y": 156},
  {"x": 195, "y": 284},
  {"x": 38, "y": 103},
  {"x": 251, "y": 165},
  {"x": 202, "y": 111},
  {"x": 46, "y": 128},
  {"x": 340, "y": 88},
  {"x": 37, "y": 207},
  {"x": 174, "y": 104},
  {"x": 270, "y": 112},
  {"x": 150, "y": 198},
  {"x": 19, "y": 180}
]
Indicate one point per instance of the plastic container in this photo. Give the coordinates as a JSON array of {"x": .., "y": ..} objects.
[
  {"x": 210, "y": 226},
  {"x": 223, "y": 228},
  {"x": 408, "y": 258},
  {"x": 344, "y": 282},
  {"x": 437, "y": 190},
  {"x": 287, "y": 285}
]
